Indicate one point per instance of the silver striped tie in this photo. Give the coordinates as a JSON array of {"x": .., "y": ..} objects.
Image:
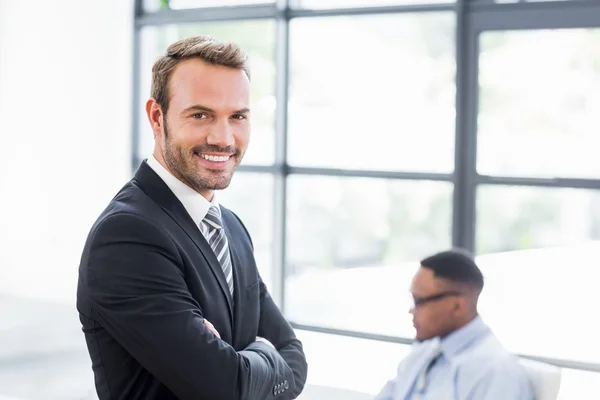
[{"x": 218, "y": 242}]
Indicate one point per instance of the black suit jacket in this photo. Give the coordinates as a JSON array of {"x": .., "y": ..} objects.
[{"x": 147, "y": 280}]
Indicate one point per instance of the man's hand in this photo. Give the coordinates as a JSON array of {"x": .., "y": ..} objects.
[
  {"x": 261, "y": 339},
  {"x": 211, "y": 328}
]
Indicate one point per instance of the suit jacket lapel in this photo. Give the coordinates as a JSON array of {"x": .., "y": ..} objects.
[
  {"x": 154, "y": 186},
  {"x": 188, "y": 225}
]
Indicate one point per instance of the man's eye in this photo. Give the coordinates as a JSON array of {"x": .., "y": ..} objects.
[
  {"x": 199, "y": 116},
  {"x": 239, "y": 116}
]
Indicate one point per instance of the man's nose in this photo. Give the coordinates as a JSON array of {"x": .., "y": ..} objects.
[{"x": 221, "y": 134}]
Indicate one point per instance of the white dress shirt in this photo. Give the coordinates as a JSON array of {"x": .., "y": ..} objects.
[
  {"x": 473, "y": 366},
  {"x": 194, "y": 203}
]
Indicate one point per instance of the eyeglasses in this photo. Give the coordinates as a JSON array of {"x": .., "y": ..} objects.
[{"x": 419, "y": 301}]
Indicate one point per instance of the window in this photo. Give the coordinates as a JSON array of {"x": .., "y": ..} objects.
[
  {"x": 373, "y": 92},
  {"x": 262, "y": 63},
  {"x": 538, "y": 123},
  {"x": 543, "y": 244},
  {"x": 539, "y": 102},
  {"x": 368, "y": 173},
  {"x": 361, "y": 237},
  {"x": 519, "y": 218}
]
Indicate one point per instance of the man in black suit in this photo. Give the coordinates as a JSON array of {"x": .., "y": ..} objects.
[{"x": 169, "y": 295}]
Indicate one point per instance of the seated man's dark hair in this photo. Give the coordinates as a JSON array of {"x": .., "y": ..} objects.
[{"x": 457, "y": 266}]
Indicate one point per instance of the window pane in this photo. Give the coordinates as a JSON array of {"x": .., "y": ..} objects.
[
  {"x": 250, "y": 196},
  {"x": 539, "y": 95},
  {"x": 537, "y": 296},
  {"x": 373, "y": 92},
  {"x": 361, "y": 237},
  {"x": 155, "y": 40},
  {"x": 519, "y": 218},
  {"x": 155, "y": 5},
  {"x": 324, "y": 4}
]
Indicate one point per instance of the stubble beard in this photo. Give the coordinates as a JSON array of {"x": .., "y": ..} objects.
[{"x": 183, "y": 165}]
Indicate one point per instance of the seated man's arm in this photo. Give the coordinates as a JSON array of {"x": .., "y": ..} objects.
[
  {"x": 502, "y": 382},
  {"x": 138, "y": 294}
]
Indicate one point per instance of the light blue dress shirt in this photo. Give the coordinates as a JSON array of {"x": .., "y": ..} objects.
[{"x": 473, "y": 365}]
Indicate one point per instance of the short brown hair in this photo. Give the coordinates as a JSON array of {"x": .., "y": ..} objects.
[{"x": 205, "y": 48}]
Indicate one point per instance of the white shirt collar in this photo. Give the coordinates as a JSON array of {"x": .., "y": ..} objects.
[{"x": 194, "y": 203}]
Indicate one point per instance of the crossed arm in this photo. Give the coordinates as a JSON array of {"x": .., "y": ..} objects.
[{"x": 139, "y": 295}]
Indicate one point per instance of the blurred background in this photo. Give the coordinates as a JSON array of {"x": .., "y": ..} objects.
[{"x": 383, "y": 131}]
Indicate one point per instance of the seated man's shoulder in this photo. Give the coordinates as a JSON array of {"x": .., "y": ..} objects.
[
  {"x": 495, "y": 376},
  {"x": 491, "y": 359}
]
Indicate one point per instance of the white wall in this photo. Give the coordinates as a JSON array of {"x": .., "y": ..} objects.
[{"x": 65, "y": 83}]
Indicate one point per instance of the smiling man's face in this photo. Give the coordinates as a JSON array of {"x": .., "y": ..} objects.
[{"x": 205, "y": 132}]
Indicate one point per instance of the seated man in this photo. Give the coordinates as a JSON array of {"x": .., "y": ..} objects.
[{"x": 455, "y": 355}]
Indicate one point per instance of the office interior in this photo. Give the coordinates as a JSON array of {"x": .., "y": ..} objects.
[{"x": 383, "y": 131}]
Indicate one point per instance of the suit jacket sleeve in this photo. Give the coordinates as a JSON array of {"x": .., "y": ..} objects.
[
  {"x": 274, "y": 327},
  {"x": 138, "y": 294}
]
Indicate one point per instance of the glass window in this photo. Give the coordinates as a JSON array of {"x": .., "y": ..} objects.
[
  {"x": 250, "y": 196},
  {"x": 362, "y": 237},
  {"x": 155, "y": 5},
  {"x": 519, "y": 218},
  {"x": 373, "y": 92},
  {"x": 324, "y": 4},
  {"x": 539, "y": 102},
  {"x": 538, "y": 250},
  {"x": 261, "y": 53}
]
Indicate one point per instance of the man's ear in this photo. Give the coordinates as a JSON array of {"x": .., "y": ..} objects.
[
  {"x": 461, "y": 304},
  {"x": 155, "y": 116}
]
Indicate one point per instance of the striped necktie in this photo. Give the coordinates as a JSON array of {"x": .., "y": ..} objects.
[{"x": 218, "y": 242}]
